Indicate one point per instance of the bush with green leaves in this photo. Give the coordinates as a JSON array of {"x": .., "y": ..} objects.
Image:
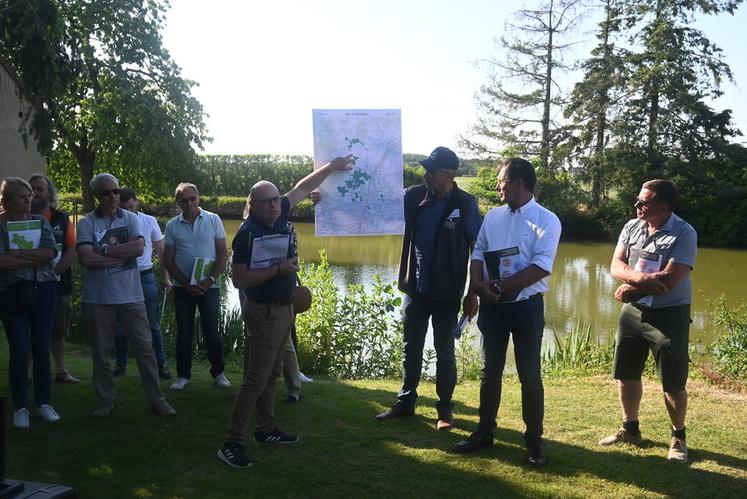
[
  {"x": 354, "y": 336},
  {"x": 729, "y": 350}
]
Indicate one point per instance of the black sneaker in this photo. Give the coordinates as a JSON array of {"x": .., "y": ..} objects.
[
  {"x": 164, "y": 373},
  {"x": 276, "y": 436},
  {"x": 119, "y": 371},
  {"x": 537, "y": 456},
  {"x": 234, "y": 456},
  {"x": 396, "y": 411},
  {"x": 290, "y": 399},
  {"x": 474, "y": 442}
]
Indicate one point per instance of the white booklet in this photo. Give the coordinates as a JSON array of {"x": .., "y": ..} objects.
[
  {"x": 648, "y": 263},
  {"x": 269, "y": 250},
  {"x": 24, "y": 234},
  {"x": 201, "y": 269}
]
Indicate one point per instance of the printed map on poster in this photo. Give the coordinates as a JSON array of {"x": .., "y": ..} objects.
[{"x": 366, "y": 200}]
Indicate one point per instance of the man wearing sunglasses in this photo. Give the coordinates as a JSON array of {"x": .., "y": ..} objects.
[
  {"x": 196, "y": 239},
  {"x": 653, "y": 259},
  {"x": 109, "y": 241}
]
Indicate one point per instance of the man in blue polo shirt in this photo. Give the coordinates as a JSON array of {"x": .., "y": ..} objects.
[
  {"x": 196, "y": 239},
  {"x": 441, "y": 227},
  {"x": 268, "y": 311}
]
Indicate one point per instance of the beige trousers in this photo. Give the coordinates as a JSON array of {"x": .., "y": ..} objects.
[
  {"x": 100, "y": 321},
  {"x": 269, "y": 329}
]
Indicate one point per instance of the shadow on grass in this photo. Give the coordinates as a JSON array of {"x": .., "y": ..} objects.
[{"x": 343, "y": 451}]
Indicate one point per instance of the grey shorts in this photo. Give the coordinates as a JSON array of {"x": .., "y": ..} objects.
[{"x": 663, "y": 331}]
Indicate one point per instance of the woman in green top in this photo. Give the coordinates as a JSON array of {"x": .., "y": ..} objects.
[{"x": 28, "y": 293}]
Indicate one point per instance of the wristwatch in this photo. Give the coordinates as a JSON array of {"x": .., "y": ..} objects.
[
  {"x": 497, "y": 289},
  {"x": 104, "y": 250},
  {"x": 212, "y": 279}
]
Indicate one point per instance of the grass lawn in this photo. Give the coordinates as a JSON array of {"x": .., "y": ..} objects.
[{"x": 344, "y": 452}]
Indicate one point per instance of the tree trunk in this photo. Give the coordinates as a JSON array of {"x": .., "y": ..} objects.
[
  {"x": 655, "y": 164},
  {"x": 597, "y": 179},
  {"x": 545, "y": 143},
  {"x": 86, "y": 159}
]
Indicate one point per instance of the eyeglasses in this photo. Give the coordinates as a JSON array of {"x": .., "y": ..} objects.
[
  {"x": 267, "y": 201},
  {"x": 190, "y": 199},
  {"x": 109, "y": 192},
  {"x": 640, "y": 203}
]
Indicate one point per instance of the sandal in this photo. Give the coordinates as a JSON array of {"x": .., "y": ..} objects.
[{"x": 66, "y": 377}]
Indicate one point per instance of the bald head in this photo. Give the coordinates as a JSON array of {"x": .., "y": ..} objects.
[
  {"x": 264, "y": 203},
  {"x": 263, "y": 189}
]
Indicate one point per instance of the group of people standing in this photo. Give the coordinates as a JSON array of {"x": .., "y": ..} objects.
[{"x": 508, "y": 258}]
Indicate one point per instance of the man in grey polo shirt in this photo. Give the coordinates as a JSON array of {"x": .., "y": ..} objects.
[
  {"x": 194, "y": 236},
  {"x": 108, "y": 243},
  {"x": 653, "y": 259}
]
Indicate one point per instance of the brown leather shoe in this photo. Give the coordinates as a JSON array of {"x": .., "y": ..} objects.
[
  {"x": 445, "y": 420},
  {"x": 623, "y": 437}
]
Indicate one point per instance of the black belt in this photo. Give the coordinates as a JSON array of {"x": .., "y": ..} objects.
[
  {"x": 147, "y": 271},
  {"x": 275, "y": 303}
]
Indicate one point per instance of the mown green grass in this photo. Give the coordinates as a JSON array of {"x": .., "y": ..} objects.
[{"x": 344, "y": 452}]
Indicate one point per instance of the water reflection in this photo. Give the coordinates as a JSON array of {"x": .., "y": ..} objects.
[{"x": 581, "y": 285}]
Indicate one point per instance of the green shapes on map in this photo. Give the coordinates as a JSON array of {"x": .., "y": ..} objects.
[
  {"x": 22, "y": 242},
  {"x": 352, "y": 185},
  {"x": 350, "y": 143}
]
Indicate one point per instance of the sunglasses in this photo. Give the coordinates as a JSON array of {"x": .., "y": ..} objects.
[
  {"x": 639, "y": 203},
  {"x": 109, "y": 192}
]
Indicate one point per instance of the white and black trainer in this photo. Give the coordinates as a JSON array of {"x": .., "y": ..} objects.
[
  {"x": 275, "y": 436},
  {"x": 234, "y": 456}
]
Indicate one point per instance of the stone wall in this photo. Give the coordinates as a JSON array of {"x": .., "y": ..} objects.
[{"x": 16, "y": 159}]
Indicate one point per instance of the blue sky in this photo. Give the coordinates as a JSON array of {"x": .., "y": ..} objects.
[{"x": 263, "y": 66}]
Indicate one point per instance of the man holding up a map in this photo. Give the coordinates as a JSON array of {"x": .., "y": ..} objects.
[
  {"x": 653, "y": 259},
  {"x": 264, "y": 267}
]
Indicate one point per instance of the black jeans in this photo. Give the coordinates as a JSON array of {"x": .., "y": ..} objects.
[
  {"x": 185, "y": 307},
  {"x": 525, "y": 321},
  {"x": 416, "y": 312}
]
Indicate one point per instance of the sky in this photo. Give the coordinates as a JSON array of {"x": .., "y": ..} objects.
[{"x": 262, "y": 66}]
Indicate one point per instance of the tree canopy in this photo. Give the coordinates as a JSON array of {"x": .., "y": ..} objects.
[{"x": 104, "y": 91}]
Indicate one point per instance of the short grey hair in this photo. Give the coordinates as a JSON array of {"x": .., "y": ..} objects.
[
  {"x": 182, "y": 186},
  {"x": 96, "y": 181}
]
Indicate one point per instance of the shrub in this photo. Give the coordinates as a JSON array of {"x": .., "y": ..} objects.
[
  {"x": 729, "y": 350},
  {"x": 354, "y": 337}
]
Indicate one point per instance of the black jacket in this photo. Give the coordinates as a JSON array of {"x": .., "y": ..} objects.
[{"x": 448, "y": 272}]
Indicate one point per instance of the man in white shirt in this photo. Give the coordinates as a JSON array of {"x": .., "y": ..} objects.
[
  {"x": 510, "y": 268},
  {"x": 153, "y": 241}
]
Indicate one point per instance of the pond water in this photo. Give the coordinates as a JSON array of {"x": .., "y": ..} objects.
[{"x": 581, "y": 285}]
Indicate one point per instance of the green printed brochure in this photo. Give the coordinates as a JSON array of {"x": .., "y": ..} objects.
[
  {"x": 24, "y": 234},
  {"x": 201, "y": 269}
]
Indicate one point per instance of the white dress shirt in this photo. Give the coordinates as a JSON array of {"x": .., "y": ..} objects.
[{"x": 534, "y": 229}]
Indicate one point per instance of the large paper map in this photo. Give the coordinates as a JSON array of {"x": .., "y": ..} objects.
[{"x": 366, "y": 200}]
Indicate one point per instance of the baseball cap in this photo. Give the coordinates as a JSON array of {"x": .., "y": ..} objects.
[{"x": 442, "y": 158}]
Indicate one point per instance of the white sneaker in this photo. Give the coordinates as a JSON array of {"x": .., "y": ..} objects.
[
  {"x": 222, "y": 381},
  {"x": 21, "y": 418},
  {"x": 48, "y": 413},
  {"x": 179, "y": 384},
  {"x": 304, "y": 378}
]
